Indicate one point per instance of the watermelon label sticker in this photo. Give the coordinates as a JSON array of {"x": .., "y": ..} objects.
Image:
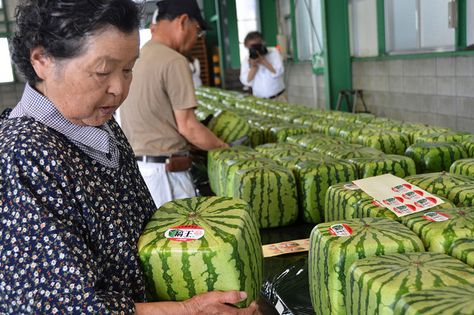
[
  {"x": 425, "y": 203},
  {"x": 184, "y": 233},
  {"x": 340, "y": 230},
  {"x": 351, "y": 187},
  {"x": 411, "y": 195},
  {"x": 435, "y": 216},
  {"x": 402, "y": 188},
  {"x": 404, "y": 209},
  {"x": 394, "y": 201}
]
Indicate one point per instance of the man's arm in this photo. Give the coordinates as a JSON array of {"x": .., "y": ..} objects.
[
  {"x": 195, "y": 132},
  {"x": 253, "y": 68},
  {"x": 264, "y": 62},
  {"x": 273, "y": 62},
  {"x": 245, "y": 71}
]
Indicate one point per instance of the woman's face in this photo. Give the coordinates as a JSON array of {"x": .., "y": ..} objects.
[{"x": 89, "y": 88}]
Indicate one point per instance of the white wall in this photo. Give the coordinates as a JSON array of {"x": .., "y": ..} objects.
[
  {"x": 303, "y": 86},
  {"x": 435, "y": 91}
]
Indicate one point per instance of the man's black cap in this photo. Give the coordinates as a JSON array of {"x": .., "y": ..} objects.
[{"x": 179, "y": 7}]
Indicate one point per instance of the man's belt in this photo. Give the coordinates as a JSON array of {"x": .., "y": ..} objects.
[
  {"x": 278, "y": 94},
  {"x": 152, "y": 159},
  {"x": 174, "y": 163}
]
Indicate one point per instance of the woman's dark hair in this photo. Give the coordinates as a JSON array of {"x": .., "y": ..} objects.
[
  {"x": 62, "y": 27},
  {"x": 252, "y": 36}
]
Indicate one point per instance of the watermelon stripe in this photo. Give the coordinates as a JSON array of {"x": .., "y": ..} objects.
[
  {"x": 447, "y": 300},
  {"x": 330, "y": 256},
  {"x": 439, "y": 236},
  {"x": 271, "y": 193},
  {"x": 383, "y": 280},
  {"x": 228, "y": 223}
]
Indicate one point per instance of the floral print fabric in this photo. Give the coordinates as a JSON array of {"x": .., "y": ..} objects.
[{"x": 69, "y": 226}]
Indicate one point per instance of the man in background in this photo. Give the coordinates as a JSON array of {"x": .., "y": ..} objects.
[
  {"x": 262, "y": 69},
  {"x": 158, "y": 115}
]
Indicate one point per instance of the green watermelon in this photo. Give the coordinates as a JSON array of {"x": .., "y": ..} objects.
[
  {"x": 311, "y": 141},
  {"x": 347, "y": 151},
  {"x": 414, "y": 130},
  {"x": 294, "y": 139},
  {"x": 376, "y": 284},
  {"x": 439, "y": 236},
  {"x": 229, "y": 126},
  {"x": 228, "y": 256},
  {"x": 462, "y": 195},
  {"x": 284, "y": 152},
  {"x": 321, "y": 126},
  {"x": 306, "y": 120},
  {"x": 256, "y": 137},
  {"x": 387, "y": 142},
  {"x": 290, "y": 161},
  {"x": 435, "y": 156},
  {"x": 397, "y": 165},
  {"x": 313, "y": 178},
  {"x": 351, "y": 134},
  {"x": 270, "y": 192},
  {"x": 265, "y": 128},
  {"x": 231, "y": 166},
  {"x": 330, "y": 256},
  {"x": 440, "y": 183},
  {"x": 454, "y": 300},
  {"x": 217, "y": 159},
  {"x": 463, "y": 167},
  {"x": 281, "y": 132},
  {"x": 463, "y": 249},
  {"x": 364, "y": 117},
  {"x": 342, "y": 200},
  {"x": 449, "y": 136},
  {"x": 288, "y": 117},
  {"x": 267, "y": 148},
  {"x": 468, "y": 144},
  {"x": 339, "y": 126}
]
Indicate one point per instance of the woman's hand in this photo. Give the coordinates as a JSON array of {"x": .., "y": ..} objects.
[{"x": 217, "y": 302}]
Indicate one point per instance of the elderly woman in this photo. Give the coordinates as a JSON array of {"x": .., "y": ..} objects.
[{"x": 73, "y": 202}]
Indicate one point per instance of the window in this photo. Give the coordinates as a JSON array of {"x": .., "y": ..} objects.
[
  {"x": 470, "y": 22},
  {"x": 363, "y": 28},
  {"x": 6, "y": 75},
  {"x": 418, "y": 25},
  {"x": 1, "y": 4},
  {"x": 247, "y": 21},
  {"x": 308, "y": 28}
]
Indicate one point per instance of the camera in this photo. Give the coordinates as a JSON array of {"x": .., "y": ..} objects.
[{"x": 257, "y": 50}]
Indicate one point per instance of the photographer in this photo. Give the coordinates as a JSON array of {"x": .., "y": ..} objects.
[{"x": 262, "y": 69}]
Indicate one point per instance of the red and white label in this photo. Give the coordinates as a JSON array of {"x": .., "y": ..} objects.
[
  {"x": 404, "y": 209},
  {"x": 340, "y": 230},
  {"x": 435, "y": 216},
  {"x": 351, "y": 187},
  {"x": 184, "y": 233},
  {"x": 394, "y": 201},
  {"x": 411, "y": 195},
  {"x": 401, "y": 188},
  {"x": 427, "y": 202}
]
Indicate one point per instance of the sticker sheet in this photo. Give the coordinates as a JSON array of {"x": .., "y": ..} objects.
[{"x": 397, "y": 195}]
